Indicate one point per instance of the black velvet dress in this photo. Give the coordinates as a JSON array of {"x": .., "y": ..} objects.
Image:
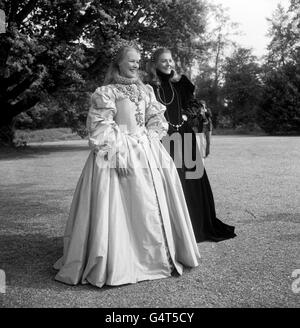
[{"x": 198, "y": 193}]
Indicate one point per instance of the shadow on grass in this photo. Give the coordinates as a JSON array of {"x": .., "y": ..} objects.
[
  {"x": 274, "y": 217},
  {"x": 24, "y": 208},
  {"x": 28, "y": 263},
  {"x": 286, "y": 218},
  {"x": 282, "y": 217},
  {"x": 27, "y": 259},
  {"x": 33, "y": 151},
  {"x": 289, "y": 238}
]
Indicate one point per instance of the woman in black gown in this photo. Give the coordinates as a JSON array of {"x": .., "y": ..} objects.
[{"x": 176, "y": 93}]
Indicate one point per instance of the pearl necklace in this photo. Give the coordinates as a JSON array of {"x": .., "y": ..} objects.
[
  {"x": 184, "y": 117},
  {"x": 159, "y": 96}
]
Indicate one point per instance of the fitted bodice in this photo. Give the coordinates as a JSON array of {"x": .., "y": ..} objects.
[
  {"x": 129, "y": 116},
  {"x": 117, "y": 110}
]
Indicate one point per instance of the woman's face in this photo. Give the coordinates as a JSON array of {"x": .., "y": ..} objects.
[
  {"x": 165, "y": 63},
  {"x": 129, "y": 65}
]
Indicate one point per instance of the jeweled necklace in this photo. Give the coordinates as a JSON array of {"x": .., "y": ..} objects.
[
  {"x": 125, "y": 80},
  {"x": 131, "y": 89}
]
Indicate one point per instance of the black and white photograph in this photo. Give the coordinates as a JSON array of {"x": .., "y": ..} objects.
[{"x": 149, "y": 157}]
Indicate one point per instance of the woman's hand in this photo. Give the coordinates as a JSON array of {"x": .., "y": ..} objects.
[
  {"x": 121, "y": 167},
  {"x": 190, "y": 112},
  {"x": 153, "y": 135},
  {"x": 122, "y": 172}
]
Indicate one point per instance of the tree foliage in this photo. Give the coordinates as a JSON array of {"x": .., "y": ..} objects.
[
  {"x": 242, "y": 91},
  {"x": 212, "y": 62},
  {"x": 280, "y": 102},
  {"x": 242, "y": 87},
  {"x": 62, "y": 48},
  {"x": 53, "y": 54},
  {"x": 284, "y": 34}
]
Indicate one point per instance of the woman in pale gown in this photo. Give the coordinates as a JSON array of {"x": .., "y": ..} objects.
[{"x": 128, "y": 220}]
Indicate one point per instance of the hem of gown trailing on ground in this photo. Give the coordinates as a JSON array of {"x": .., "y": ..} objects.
[{"x": 206, "y": 225}]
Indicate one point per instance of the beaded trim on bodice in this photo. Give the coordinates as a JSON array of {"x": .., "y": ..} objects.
[{"x": 133, "y": 92}]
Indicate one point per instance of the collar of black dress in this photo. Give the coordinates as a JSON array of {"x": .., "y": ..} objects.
[{"x": 163, "y": 76}]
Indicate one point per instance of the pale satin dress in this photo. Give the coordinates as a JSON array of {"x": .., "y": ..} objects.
[{"x": 122, "y": 230}]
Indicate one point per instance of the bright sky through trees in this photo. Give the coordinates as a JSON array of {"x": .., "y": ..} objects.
[{"x": 251, "y": 15}]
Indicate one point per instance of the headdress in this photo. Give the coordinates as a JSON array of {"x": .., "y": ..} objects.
[{"x": 121, "y": 44}]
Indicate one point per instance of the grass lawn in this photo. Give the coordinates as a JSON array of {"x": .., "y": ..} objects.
[
  {"x": 56, "y": 134},
  {"x": 43, "y": 135},
  {"x": 255, "y": 181}
]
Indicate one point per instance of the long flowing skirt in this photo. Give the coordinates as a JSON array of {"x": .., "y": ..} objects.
[
  {"x": 199, "y": 196},
  {"x": 123, "y": 230}
]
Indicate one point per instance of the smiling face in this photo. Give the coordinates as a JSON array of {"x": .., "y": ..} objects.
[
  {"x": 129, "y": 65},
  {"x": 165, "y": 63}
]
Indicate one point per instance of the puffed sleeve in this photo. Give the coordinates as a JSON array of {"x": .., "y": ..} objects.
[
  {"x": 155, "y": 120},
  {"x": 104, "y": 134}
]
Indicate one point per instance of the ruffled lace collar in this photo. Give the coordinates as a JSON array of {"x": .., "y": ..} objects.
[{"x": 125, "y": 80}]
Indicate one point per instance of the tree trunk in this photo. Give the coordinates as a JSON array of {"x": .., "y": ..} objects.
[
  {"x": 6, "y": 127},
  {"x": 7, "y": 135},
  {"x": 8, "y": 114}
]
